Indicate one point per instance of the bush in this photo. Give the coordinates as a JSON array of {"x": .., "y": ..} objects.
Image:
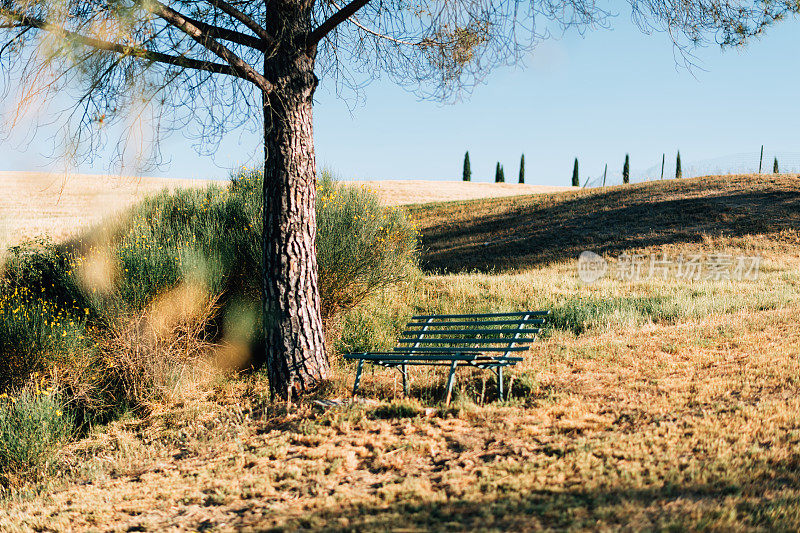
[
  {"x": 44, "y": 269},
  {"x": 362, "y": 246},
  {"x": 36, "y": 334},
  {"x": 102, "y": 316},
  {"x": 33, "y": 424}
]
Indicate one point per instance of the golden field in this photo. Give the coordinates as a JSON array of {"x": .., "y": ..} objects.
[
  {"x": 649, "y": 404},
  {"x": 60, "y": 205}
]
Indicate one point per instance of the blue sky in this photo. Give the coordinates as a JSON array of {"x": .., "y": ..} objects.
[{"x": 594, "y": 97}]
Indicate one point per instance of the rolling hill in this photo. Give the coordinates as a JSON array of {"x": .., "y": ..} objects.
[{"x": 514, "y": 233}]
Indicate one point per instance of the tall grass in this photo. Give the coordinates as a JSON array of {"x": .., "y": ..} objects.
[
  {"x": 33, "y": 424},
  {"x": 577, "y": 308}
]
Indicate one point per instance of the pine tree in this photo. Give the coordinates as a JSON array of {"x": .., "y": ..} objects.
[
  {"x": 626, "y": 170},
  {"x": 576, "y": 182},
  {"x": 522, "y": 169},
  {"x": 467, "y": 174},
  {"x": 678, "y": 171},
  {"x": 775, "y": 167}
]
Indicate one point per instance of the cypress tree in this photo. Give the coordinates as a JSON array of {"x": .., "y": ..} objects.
[
  {"x": 522, "y": 169},
  {"x": 626, "y": 170},
  {"x": 775, "y": 167},
  {"x": 502, "y": 175},
  {"x": 467, "y": 174},
  {"x": 498, "y": 176},
  {"x": 678, "y": 171},
  {"x": 576, "y": 182}
]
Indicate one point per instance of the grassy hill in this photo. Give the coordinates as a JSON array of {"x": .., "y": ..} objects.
[
  {"x": 519, "y": 232},
  {"x": 653, "y": 404}
]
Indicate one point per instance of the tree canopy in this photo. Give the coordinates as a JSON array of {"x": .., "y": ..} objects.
[{"x": 196, "y": 65}]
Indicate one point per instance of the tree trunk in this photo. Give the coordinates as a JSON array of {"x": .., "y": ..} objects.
[{"x": 295, "y": 353}]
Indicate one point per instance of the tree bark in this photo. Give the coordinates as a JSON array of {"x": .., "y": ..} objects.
[{"x": 295, "y": 354}]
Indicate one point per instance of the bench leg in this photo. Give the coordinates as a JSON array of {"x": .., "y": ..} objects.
[
  {"x": 450, "y": 380},
  {"x": 404, "y": 370},
  {"x": 358, "y": 376},
  {"x": 500, "y": 383}
]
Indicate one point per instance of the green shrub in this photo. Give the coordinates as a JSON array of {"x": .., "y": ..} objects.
[
  {"x": 33, "y": 424},
  {"x": 35, "y": 334},
  {"x": 44, "y": 269},
  {"x": 202, "y": 236},
  {"x": 397, "y": 409},
  {"x": 362, "y": 246}
]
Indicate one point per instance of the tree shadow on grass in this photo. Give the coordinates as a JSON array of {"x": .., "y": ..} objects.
[
  {"x": 671, "y": 507},
  {"x": 529, "y": 231}
]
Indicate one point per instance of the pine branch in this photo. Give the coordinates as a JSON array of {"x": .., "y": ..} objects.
[
  {"x": 268, "y": 41},
  {"x": 125, "y": 50},
  {"x": 182, "y": 23},
  {"x": 337, "y": 18}
]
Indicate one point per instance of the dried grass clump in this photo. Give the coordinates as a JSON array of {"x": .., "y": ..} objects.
[{"x": 151, "y": 355}]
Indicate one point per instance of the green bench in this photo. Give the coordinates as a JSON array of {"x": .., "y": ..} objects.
[{"x": 486, "y": 341}]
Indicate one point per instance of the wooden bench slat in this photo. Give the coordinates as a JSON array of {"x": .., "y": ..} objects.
[
  {"x": 477, "y": 323},
  {"x": 520, "y": 313},
  {"x": 468, "y": 340}
]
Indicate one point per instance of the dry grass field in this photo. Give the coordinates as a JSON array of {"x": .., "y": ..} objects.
[
  {"x": 404, "y": 192},
  {"x": 651, "y": 404},
  {"x": 59, "y": 205}
]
